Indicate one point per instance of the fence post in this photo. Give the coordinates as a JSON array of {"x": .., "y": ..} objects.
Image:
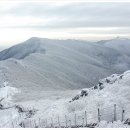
[
  {"x": 86, "y": 118},
  {"x": 59, "y": 121},
  {"x": 99, "y": 119},
  {"x": 70, "y": 123},
  {"x": 23, "y": 125},
  {"x": 46, "y": 123},
  {"x": 114, "y": 112},
  {"x": 35, "y": 124},
  {"x": 66, "y": 120},
  {"x": 39, "y": 122},
  {"x": 52, "y": 122},
  {"x": 12, "y": 124},
  {"x": 83, "y": 122},
  {"x": 30, "y": 123},
  {"x": 123, "y": 112},
  {"x": 75, "y": 119},
  {"x": 15, "y": 122}
]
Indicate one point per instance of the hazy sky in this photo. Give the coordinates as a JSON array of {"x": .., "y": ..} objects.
[{"x": 79, "y": 20}]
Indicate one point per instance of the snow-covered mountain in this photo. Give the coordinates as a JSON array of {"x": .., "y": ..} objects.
[
  {"x": 40, "y": 64},
  {"x": 23, "y": 50}
]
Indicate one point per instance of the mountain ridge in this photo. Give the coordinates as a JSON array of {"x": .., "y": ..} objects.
[{"x": 40, "y": 64}]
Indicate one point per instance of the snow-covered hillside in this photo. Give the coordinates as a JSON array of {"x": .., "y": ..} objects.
[
  {"x": 109, "y": 91},
  {"x": 114, "y": 89},
  {"x": 39, "y": 65}
]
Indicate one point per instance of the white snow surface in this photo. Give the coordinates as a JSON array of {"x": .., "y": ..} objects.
[
  {"x": 8, "y": 114},
  {"x": 115, "y": 124},
  {"x": 40, "y": 64},
  {"x": 51, "y": 73},
  {"x": 7, "y": 92},
  {"x": 117, "y": 91}
]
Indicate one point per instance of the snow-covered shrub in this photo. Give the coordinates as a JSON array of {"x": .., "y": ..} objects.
[
  {"x": 6, "y": 93},
  {"x": 75, "y": 106}
]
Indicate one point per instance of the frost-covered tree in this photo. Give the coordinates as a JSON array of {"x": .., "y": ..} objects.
[
  {"x": 7, "y": 108},
  {"x": 6, "y": 93}
]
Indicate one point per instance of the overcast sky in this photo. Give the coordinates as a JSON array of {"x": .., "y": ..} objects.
[{"x": 79, "y": 20}]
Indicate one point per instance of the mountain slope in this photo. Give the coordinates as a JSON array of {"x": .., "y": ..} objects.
[
  {"x": 40, "y": 64},
  {"x": 112, "y": 90},
  {"x": 20, "y": 51}
]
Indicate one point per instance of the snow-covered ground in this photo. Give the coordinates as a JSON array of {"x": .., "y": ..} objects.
[
  {"x": 116, "y": 124},
  {"x": 47, "y": 80},
  {"x": 111, "y": 90},
  {"x": 7, "y": 110},
  {"x": 40, "y": 64},
  {"x": 50, "y": 111}
]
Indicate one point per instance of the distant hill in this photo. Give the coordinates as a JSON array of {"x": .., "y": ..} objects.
[{"x": 41, "y": 64}]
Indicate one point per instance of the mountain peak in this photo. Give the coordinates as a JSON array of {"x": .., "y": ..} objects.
[
  {"x": 20, "y": 51},
  {"x": 33, "y": 38},
  {"x": 120, "y": 38}
]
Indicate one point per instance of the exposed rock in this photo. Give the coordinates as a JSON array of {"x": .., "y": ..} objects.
[
  {"x": 75, "y": 98},
  {"x": 83, "y": 93},
  {"x": 127, "y": 121},
  {"x": 95, "y": 87}
]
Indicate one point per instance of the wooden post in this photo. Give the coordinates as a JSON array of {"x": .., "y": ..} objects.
[
  {"x": 30, "y": 122},
  {"x": 75, "y": 120},
  {"x": 123, "y": 112},
  {"x": 114, "y": 112},
  {"x": 83, "y": 122},
  {"x": 39, "y": 122},
  {"x": 23, "y": 124},
  {"x": 15, "y": 122},
  {"x": 46, "y": 123},
  {"x": 86, "y": 118},
  {"x": 66, "y": 120},
  {"x": 99, "y": 119},
  {"x": 12, "y": 124},
  {"x": 52, "y": 122},
  {"x": 35, "y": 124},
  {"x": 59, "y": 121},
  {"x": 70, "y": 123}
]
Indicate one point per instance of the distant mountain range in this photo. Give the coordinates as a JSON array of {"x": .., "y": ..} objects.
[{"x": 41, "y": 64}]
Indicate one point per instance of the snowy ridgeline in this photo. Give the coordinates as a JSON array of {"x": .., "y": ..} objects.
[
  {"x": 45, "y": 64},
  {"x": 110, "y": 83},
  {"x": 76, "y": 112}
]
